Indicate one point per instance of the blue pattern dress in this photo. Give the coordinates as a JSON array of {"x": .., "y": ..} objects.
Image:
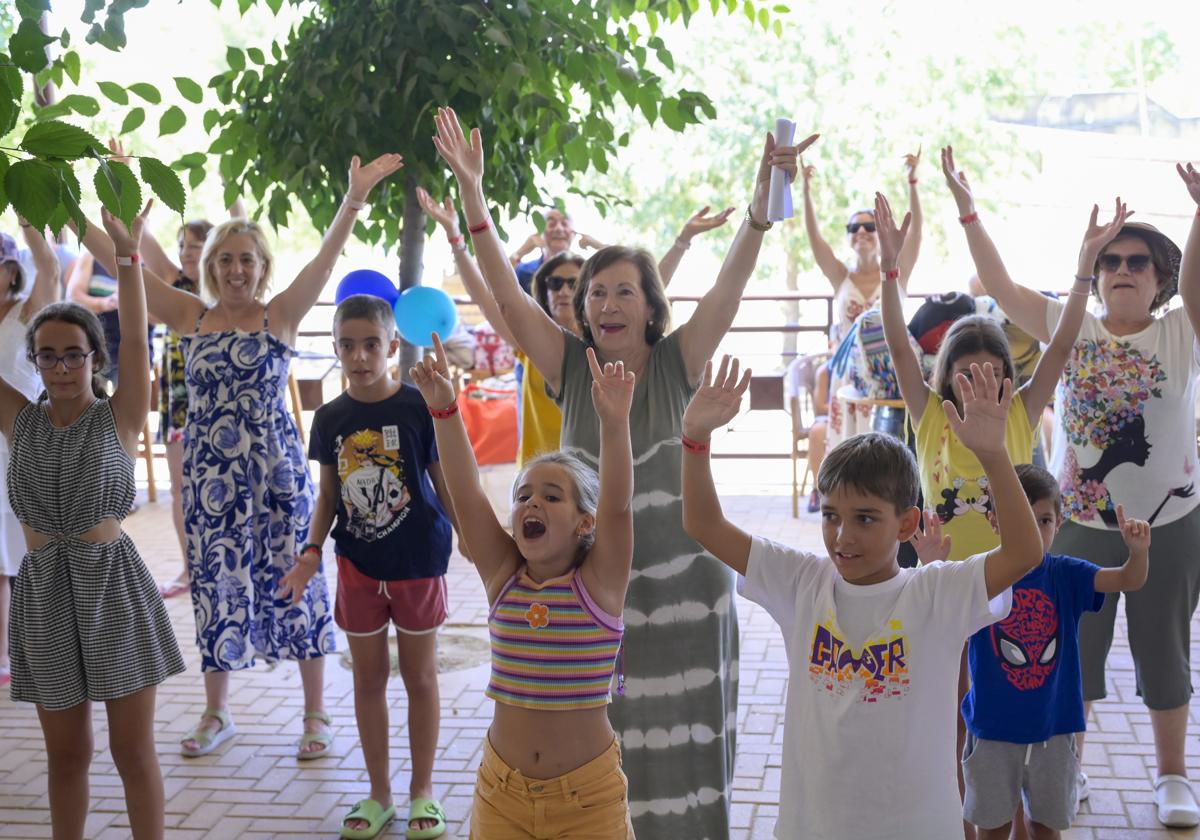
[{"x": 247, "y": 503}]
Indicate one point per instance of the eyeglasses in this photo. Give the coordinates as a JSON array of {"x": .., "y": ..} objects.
[
  {"x": 555, "y": 282},
  {"x": 72, "y": 359},
  {"x": 854, "y": 226},
  {"x": 1137, "y": 262}
]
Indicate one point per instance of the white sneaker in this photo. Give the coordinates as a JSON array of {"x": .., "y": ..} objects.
[
  {"x": 1176, "y": 802},
  {"x": 1082, "y": 790}
]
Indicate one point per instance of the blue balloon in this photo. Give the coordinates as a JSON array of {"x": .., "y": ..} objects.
[
  {"x": 422, "y": 311},
  {"x": 364, "y": 281}
]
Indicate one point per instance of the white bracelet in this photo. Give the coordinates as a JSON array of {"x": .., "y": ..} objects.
[
  {"x": 682, "y": 244},
  {"x": 352, "y": 204}
]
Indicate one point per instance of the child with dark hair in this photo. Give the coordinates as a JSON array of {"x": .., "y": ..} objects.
[
  {"x": 873, "y": 649},
  {"x": 1026, "y": 698},
  {"x": 383, "y": 494}
]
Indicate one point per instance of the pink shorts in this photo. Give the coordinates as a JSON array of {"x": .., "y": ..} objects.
[{"x": 364, "y": 605}]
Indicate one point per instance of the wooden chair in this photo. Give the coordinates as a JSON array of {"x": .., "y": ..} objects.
[
  {"x": 297, "y": 405},
  {"x": 801, "y": 407}
]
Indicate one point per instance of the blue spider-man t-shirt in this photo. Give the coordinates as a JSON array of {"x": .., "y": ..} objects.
[{"x": 1025, "y": 680}]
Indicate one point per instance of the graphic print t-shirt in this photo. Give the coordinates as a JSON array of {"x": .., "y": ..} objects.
[
  {"x": 1124, "y": 422},
  {"x": 390, "y": 522},
  {"x": 869, "y": 725},
  {"x": 1025, "y": 680}
]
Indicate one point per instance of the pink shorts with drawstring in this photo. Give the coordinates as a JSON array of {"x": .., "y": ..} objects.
[{"x": 365, "y": 606}]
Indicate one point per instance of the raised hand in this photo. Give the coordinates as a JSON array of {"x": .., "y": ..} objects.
[
  {"x": 465, "y": 159},
  {"x": 1098, "y": 236},
  {"x": 125, "y": 240},
  {"x": 431, "y": 375},
  {"x": 891, "y": 238},
  {"x": 985, "y": 403},
  {"x": 911, "y": 162},
  {"x": 807, "y": 171},
  {"x": 1135, "y": 532},
  {"x": 443, "y": 213},
  {"x": 590, "y": 242},
  {"x": 612, "y": 389},
  {"x": 930, "y": 545},
  {"x": 1191, "y": 178},
  {"x": 701, "y": 222},
  {"x": 118, "y": 151},
  {"x": 364, "y": 178},
  {"x": 956, "y": 180},
  {"x": 783, "y": 156},
  {"x": 717, "y": 401}
]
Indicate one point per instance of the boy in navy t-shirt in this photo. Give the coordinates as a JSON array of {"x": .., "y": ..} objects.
[
  {"x": 1026, "y": 699},
  {"x": 382, "y": 491}
]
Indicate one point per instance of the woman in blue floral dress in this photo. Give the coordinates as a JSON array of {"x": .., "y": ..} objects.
[{"x": 248, "y": 495}]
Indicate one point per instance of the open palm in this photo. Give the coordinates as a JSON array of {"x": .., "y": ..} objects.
[
  {"x": 985, "y": 403},
  {"x": 125, "y": 239},
  {"x": 717, "y": 400},
  {"x": 612, "y": 389},
  {"x": 957, "y": 182},
  {"x": 364, "y": 178},
  {"x": 431, "y": 375},
  {"x": 702, "y": 222},
  {"x": 442, "y": 213},
  {"x": 1097, "y": 235},
  {"x": 464, "y": 158},
  {"x": 1191, "y": 178},
  {"x": 891, "y": 238}
]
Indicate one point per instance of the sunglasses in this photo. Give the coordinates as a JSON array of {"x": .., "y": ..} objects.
[
  {"x": 1112, "y": 262},
  {"x": 854, "y": 226},
  {"x": 555, "y": 282}
]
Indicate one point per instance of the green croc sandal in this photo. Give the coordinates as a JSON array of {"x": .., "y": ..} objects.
[
  {"x": 375, "y": 815},
  {"x": 425, "y": 809},
  {"x": 325, "y": 739},
  {"x": 208, "y": 741}
]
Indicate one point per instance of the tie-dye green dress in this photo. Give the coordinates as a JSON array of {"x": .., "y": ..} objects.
[{"x": 677, "y": 720}]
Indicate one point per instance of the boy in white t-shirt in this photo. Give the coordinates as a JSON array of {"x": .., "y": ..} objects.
[{"x": 873, "y": 649}]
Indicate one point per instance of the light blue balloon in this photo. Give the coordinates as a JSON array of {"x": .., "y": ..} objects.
[
  {"x": 422, "y": 311},
  {"x": 365, "y": 281}
]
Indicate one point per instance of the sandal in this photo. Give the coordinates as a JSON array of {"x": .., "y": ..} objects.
[
  {"x": 173, "y": 589},
  {"x": 375, "y": 815},
  {"x": 1176, "y": 802},
  {"x": 207, "y": 740},
  {"x": 425, "y": 809},
  {"x": 325, "y": 739}
]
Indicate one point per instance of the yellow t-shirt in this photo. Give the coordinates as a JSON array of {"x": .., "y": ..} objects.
[
  {"x": 953, "y": 481},
  {"x": 541, "y": 419}
]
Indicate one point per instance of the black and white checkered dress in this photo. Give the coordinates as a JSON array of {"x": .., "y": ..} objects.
[{"x": 87, "y": 621}]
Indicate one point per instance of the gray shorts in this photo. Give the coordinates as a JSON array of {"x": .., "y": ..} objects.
[
  {"x": 999, "y": 774},
  {"x": 1159, "y": 614}
]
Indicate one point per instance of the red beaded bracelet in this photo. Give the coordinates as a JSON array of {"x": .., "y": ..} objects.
[
  {"x": 443, "y": 413},
  {"x": 481, "y": 227},
  {"x": 694, "y": 446},
  {"x": 969, "y": 219},
  {"x": 893, "y": 274}
]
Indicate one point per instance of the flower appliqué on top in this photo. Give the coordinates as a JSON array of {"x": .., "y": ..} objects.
[{"x": 538, "y": 616}]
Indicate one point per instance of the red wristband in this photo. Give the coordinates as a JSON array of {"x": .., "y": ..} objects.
[
  {"x": 481, "y": 227},
  {"x": 912, "y": 180},
  {"x": 894, "y": 274},
  {"x": 455, "y": 240},
  {"x": 694, "y": 446},
  {"x": 969, "y": 219},
  {"x": 443, "y": 413}
]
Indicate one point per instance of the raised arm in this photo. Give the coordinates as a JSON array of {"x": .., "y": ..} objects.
[
  {"x": 833, "y": 268},
  {"x": 155, "y": 258},
  {"x": 1025, "y": 307},
  {"x": 606, "y": 569},
  {"x": 699, "y": 337},
  {"x": 981, "y": 428},
  {"x": 1130, "y": 575},
  {"x": 1189, "y": 268},
  {"x": 44, "y": 289},
  {"x": 1037, "y": 391},
  {"x": 288, "y": 308},
  {"x": 534, "y": 330},
  {"x": 912, "y": 243},
  {"x": 468, "y": 271},
  {"x": 713, "y": 406},
  {"x": 493, "y": 550},
  {"x": 697, "y": 224},
  {"x": 909, "y": 375},
  {"x": 131, "y": 401}
]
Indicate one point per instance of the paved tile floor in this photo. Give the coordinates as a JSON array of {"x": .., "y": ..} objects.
[{"x": 254, "y": 787}]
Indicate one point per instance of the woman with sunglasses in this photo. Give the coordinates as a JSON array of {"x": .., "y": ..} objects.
[
  {"x": 554, "y": 291},
  {"x": 856, "y": 284},
  {"x": 1125, "y": 433}
]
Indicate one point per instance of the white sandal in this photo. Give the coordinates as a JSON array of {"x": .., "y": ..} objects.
[
  {"x": 207, "y": 740},
  {"x": 1176, "y": 802}
]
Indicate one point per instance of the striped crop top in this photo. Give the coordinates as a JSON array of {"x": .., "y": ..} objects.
[{"x": 553, "y": 648}]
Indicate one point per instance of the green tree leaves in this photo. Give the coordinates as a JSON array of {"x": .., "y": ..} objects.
[
  {"x": 33, "y": 188},
  {"x": 53, "y": 139},
  {"x": 118, "y": 190}
]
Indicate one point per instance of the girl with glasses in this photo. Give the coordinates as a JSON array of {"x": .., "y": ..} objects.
[{"x": 88, "y": 624}]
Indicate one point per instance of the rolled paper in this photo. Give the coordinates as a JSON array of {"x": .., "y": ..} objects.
[{"x": 779, "y": 199}]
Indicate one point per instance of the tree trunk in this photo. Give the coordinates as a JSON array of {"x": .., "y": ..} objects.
[{"x": 412, "y": 251}]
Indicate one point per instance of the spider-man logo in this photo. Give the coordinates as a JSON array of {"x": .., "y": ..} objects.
[{"x": 1027, "y": 641}]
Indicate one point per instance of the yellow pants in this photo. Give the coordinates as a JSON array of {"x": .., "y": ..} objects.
[{"x": 589, "y": 803}]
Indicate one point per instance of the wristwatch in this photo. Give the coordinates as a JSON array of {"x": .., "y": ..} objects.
[{"x": 757, "y": 225}]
